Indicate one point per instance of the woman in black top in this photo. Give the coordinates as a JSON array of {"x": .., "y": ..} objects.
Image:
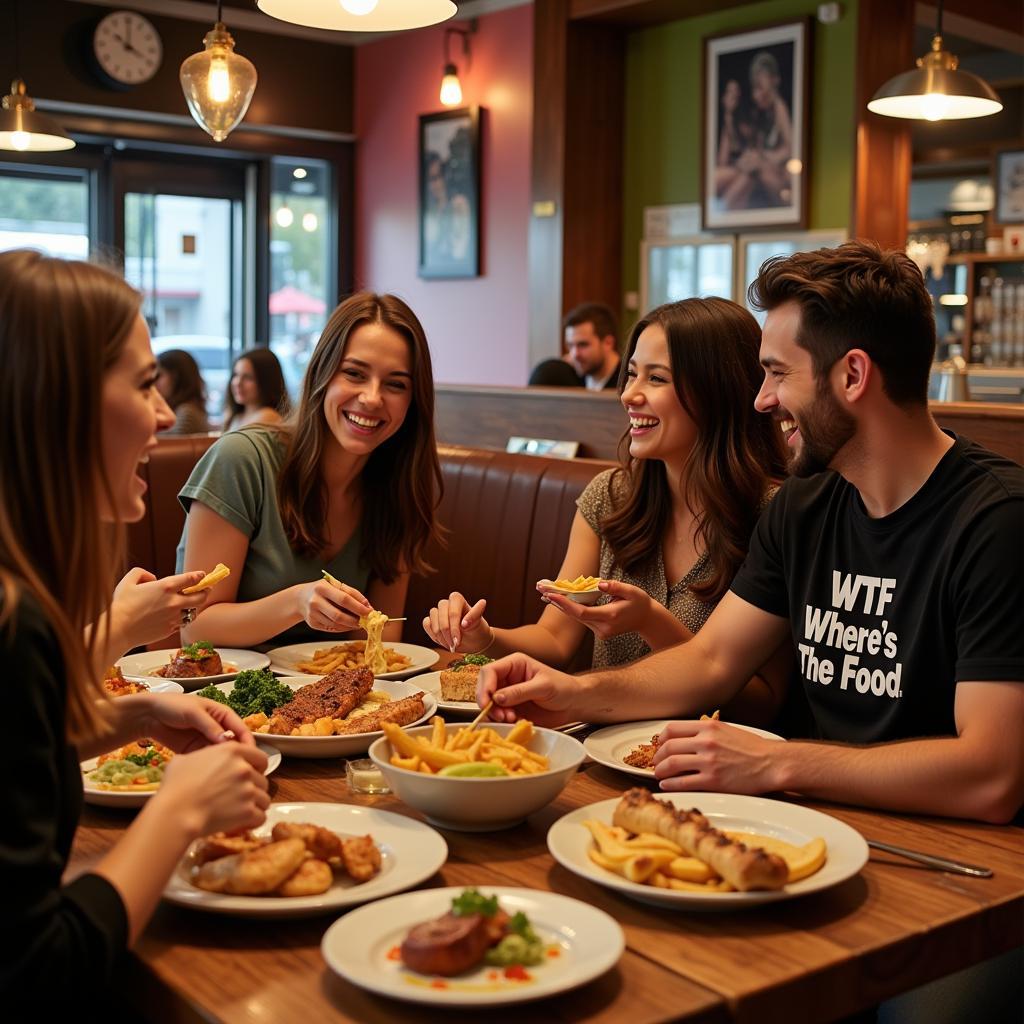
[{"x": 78, "y": 412}]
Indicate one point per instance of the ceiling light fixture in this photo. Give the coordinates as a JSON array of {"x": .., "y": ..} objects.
[
  {"x": 22, "y": 128},
  {"x": 284, "y": 216},
  {"x": 310, "y": 222},
  {"x": 936, "y": 90},
  {"x": 360, "y": 15},
  {"x": 218, "y": 83},
  {"x": 299, "y": 172},
  {"x": 451, "y": 87}
]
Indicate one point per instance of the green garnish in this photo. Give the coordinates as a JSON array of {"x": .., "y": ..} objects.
[
  {"x": 469, "y": 901},
  {"x": 197, "y": 651},
  {"x": 471, "y": 659},
  {"x": 520, "y": 924},
  {"x": 255, "y": 690}
]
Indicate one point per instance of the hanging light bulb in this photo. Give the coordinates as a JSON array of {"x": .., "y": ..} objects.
[
  {"x": 359, "y": 7},
  {"x": 451, "y": 87},
  {"x": 22, "y": 128},
  {"x": 284, "y": 216},
  {"x": 218, "y": 83},
  {"x": 310, "y": 221},
  {"x": 359, "y": 15},
  {"x": 937, "y": 90}
]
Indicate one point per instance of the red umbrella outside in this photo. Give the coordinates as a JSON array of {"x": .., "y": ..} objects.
[{"x": 290, "y": 300}]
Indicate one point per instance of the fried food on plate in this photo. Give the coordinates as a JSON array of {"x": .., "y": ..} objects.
[
  {"x": 334, "y": 696},
  {"x": 296, "y": 859},
  {"x": 321, "y": 842},
  {"x": 360, "y": 857},
  {"x": 116, "y": 685},
  {"x": 310, "y": 878},
  {"x": 253, "y": 873},
  {"x": 219, "y": 572},
  {"x": 351, "y": 654},
  {"x": 578, "y": 585},
  {"x": 399, "y": 712},
  {"x": 643, "y": 756}
]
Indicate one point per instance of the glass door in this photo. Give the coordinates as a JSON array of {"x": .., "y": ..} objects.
[{"x": 182, "y": 231}]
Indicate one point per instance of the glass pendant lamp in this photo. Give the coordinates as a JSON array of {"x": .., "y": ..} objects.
[
  {"x": 360, "y": 15},
  {"x": 218, "y": 83}
]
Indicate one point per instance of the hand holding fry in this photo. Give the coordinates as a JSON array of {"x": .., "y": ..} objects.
[{"x": 210, "y": 580}]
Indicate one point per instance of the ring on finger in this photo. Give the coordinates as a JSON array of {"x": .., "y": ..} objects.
[{"x": 188, "y": 616}]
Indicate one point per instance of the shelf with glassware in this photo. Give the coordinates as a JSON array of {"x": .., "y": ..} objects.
[{"x": 979, "y": 307}]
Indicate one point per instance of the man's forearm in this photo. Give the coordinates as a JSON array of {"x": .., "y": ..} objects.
[
  {"x": 680, "y": 682},
  {"x": 951, "y": 777}
]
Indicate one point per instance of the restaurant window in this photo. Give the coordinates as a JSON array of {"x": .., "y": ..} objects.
[
  {"x": 685, "y": 268},
  {"x": 303, "y": 291},
  {"x": 45, "y": 209}
]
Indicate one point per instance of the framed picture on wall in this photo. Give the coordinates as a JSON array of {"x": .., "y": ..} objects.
[
  {"x": 450, "y": 194},
  {"x": 756, "y": 100},
  {"x": 1008, "y": 176}
]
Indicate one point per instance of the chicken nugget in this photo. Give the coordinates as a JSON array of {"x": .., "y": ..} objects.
[
  {"x": 360, "y": 857},
  {"x": 310, "y": 878},
  {"x": 254, "y": 873},
  {"x": 222, "y": 845},
  {"x": 321, "y": 842}
]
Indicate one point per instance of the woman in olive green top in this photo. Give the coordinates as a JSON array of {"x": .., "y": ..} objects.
[{"x": 349, "y": 485}]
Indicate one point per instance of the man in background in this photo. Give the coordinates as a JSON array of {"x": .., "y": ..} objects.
[{"x": 591, "y": 340}]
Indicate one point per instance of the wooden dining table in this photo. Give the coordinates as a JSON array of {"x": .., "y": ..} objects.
[{"x": 824, "y": 956}]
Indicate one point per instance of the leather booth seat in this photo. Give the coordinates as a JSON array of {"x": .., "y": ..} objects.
[{"x": 506, "y": 520}]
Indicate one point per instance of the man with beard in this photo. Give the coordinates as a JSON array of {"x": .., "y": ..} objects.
[
  {"x": 591, "y": 343},
  {"x": 892, "y": 557}
]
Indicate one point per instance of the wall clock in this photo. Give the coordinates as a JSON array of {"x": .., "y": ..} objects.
[{"x": 127, "y": 49}]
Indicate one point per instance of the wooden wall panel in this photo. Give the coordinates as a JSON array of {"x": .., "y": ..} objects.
[{"x": 881, "y": 193}]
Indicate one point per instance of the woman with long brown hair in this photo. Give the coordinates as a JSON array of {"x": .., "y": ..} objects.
[
  {"x": 256, "y": 392},
  {"x": 78, "y": 411},
  {"x": 350, "y": 486},
  {"x": 666, "y": 530},
  {"x": 181, "y": 384}
]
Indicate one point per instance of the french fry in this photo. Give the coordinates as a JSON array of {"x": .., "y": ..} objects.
[
  {"x": 437, "y": 737},
  {"x": 521, "y": 732},
  {"x": 438, "y": 757},
  {"x": 411, "y": 764},
  {"x": 425, "y": 768},
  {"x": 640, "y": 868},
  {"x": 689, "y": 869},
  {"x": 219, "y": 572}
]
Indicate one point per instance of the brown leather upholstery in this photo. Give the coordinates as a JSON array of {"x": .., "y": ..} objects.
[{"x": 506, "y": 517}]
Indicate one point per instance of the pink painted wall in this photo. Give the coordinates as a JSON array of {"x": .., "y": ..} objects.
[{"x": 477, "y": 327}]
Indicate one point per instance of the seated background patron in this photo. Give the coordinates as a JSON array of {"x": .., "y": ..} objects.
[{"x": 592, "y": 344}]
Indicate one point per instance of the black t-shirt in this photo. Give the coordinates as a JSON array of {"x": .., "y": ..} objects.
[
  {"x": 58, "y": 944},
  {"x": 889, "y": 614}
]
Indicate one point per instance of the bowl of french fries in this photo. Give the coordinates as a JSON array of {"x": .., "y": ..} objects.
[
  {"x": 476, "y": 780},
  {"x": 582, "y": 590}
]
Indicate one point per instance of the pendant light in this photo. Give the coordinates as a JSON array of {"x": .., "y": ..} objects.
[
  {"x": 218, "y": 83},
  {"x": 937, "y": 90},
  {"x": 22, "y": 128},
  {"x": 360, "y": 15}
]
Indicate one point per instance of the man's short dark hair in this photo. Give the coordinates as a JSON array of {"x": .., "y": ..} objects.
[
  {"x": 857, "y": 295},
  {"x": 595, "y": 313}
]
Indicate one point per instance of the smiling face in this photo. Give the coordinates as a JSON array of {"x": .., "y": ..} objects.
[
  {"x": 244, "y": 388},
  {"x": 659, "y": 426},
  {"x": 132, "y": 412},
  {"x": 814, "y": 423},
  {"x": 368, "y": 398}
]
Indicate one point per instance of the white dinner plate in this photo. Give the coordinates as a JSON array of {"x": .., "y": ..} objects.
[
  {"x": 116, "y": 798},
  {"x": 611, "y": 746},
  {"x": 341, "y": 746},
  {"x": 569, "y": 840},
  {"x": 359, "y": 947},
  {"x": 410, "y": 853},
  {"x": 160, "y": 685},
  {"x": 431, "y": 682},
  {"x": 143, "y": 666},
  {"x": 285, "y": 660}
]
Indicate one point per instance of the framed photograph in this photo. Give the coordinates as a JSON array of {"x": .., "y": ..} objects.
[
  {"x": 1008, "y": 176},
  {"x": 756, "y": 101},
  {"x": 450, "y": 194}
]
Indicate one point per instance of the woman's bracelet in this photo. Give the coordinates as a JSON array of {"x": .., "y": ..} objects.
[{"x": 490, "y": 643}]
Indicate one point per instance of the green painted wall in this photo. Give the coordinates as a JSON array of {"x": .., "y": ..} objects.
[{"x": 663, "y": 115}]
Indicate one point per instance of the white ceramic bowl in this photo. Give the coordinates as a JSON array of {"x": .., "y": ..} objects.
[{"x": 483, "y": 805}]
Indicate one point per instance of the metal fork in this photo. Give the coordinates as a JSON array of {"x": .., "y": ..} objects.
[{"x": 939, "y": 863}]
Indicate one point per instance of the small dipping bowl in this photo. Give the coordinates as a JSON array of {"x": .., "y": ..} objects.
[
  {"x": 579, "y": 596},
  {"x": 364, "y": 776}
]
